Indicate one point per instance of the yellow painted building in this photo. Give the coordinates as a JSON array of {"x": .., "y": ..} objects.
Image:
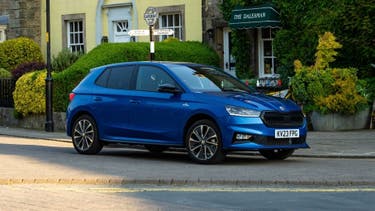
[{"x": 82, "y": 25}]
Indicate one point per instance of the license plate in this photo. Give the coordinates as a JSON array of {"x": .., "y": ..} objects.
[{"x": 287, "y": 133}]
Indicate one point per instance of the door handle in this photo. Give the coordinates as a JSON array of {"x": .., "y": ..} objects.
[
  {"x": 97, "y": 99},
  {"x": 134, "y": 101}
]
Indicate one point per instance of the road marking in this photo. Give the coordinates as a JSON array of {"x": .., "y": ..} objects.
[{"x": 218, "y": 189}]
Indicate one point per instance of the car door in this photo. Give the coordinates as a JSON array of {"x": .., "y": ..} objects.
[
  {"x": 112, "y": 101},
  {"x": 157, "y": 117}
]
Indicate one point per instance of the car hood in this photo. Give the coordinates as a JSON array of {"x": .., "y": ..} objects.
[{"x": 258, "y": 101}]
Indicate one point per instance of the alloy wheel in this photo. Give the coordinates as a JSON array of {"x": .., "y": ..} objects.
[
  {"x": 204, "y": 142},
  {"x": 85, "y": 136}
]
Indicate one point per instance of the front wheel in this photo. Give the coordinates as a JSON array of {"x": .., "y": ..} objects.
[
  {"x": 203, "y": 142},
  {"x": 85, "y": 136},
  {"x": 276, "y": 154}
]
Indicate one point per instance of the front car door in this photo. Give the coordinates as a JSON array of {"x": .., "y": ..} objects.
[{"x": 157, "y": 117}]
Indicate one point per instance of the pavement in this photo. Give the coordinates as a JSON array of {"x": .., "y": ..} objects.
[{"x": 335, "y": 144}]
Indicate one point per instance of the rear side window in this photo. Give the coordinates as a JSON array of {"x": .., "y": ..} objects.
[
  {"x": 150, "y": 78},
  {"x": 116, "y": 77}
]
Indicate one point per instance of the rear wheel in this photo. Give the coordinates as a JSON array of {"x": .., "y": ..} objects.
[
  {"x": 203, "y": 142},
  {"x": 276, "y": 154},
  {"x": 85, "y": 136}
]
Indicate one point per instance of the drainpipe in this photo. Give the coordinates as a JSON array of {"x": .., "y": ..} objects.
[
  {"x": 98, "y": 21},
  {"x": 135, "y": 17}
]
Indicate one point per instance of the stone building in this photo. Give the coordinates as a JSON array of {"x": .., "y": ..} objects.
[{"x": 20, "y": 18}]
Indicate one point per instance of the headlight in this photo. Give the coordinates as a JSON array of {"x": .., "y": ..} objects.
[{"x": 244, "y": 112}]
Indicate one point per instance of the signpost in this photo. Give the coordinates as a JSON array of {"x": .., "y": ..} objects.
[
  {"x": 151, "y": 16},
  {"x": 139, "y": 32},
  {"x": 163, "y": 32},
  {"x": 145, "y": 32}
]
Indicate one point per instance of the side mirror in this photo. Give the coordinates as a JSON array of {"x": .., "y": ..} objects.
[{"x": 169, "y": 88}]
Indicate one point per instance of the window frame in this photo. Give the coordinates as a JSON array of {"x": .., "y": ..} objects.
[
  {"x": 261, "y": 51},
  {"x": 172, "y": 10},
  {"x": 66, "y": 20}
]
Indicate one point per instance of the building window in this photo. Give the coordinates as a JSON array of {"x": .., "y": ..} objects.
[
  {"x": 171, "y": 21},
  {"x": 2, "y": 33},
  {"x": 267, "y": 59},
  {"x": 75, "y": 36},
  {"x": 172, "y": 17},
  {"x": 74, "y": 32}
]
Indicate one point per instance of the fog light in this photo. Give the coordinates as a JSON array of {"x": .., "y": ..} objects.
[{"x": 241, "y": 136}]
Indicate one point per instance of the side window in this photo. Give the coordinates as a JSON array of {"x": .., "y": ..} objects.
[
  {"x": 116, "y": 78},
  {"x": 103, "y": 78},
  {"x": 150, "y": 78}
]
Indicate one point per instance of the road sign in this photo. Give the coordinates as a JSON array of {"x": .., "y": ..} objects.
[
  {"x": 151, "y": 16},
  {"x": 139, "y": 32},
  {"x": 163, "y": 31},
  {"x": 146, "y": 32}
]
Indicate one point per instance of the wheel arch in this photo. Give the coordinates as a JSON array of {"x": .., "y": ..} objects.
[
  {"x": 75, "y": 117},
  {"x": 198, "y": 117}
]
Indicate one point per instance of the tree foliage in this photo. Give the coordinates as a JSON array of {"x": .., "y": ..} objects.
[{"x": 352, "y": 22}]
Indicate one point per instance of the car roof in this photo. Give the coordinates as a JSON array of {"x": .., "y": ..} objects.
[{"x": 166, "y": 63}]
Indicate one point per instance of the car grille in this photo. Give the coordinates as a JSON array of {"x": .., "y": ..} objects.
[{"x": 279, "y": 120}]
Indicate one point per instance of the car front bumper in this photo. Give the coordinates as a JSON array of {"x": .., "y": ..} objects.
[{"x": 256, "y": 135}]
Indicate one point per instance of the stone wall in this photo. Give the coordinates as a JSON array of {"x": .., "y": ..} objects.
[
  {"x": 24, "y": 18},
  {"x": 7, "y": 119}
]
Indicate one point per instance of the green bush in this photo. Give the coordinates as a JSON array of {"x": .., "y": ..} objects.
[
  {"x": 4, "y": 73},
  {"x": 29, "y": 95},
  {"x": 327, "y": 90},
  {"x": 17, "y": 51},
  {"x": 64, "y": 59},
  {"x": 108, "y": 53}
]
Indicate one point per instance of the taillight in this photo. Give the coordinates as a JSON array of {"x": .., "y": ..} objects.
[{"x": 71, "y": 96}]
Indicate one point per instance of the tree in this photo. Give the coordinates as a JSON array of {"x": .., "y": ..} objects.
[{"x": 352, "y": 22}]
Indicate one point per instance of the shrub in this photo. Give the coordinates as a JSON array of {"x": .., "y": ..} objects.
[
  {"x": 29, "y": 95},
  {"x": 4, "y": 73},
  {"x": 171, "y": 39},
  {"x": 17, "y": 51},
  {"x": 327, "y": 90},
  {"x": 64, "y": 59},
  {"x": 109, "y": 53},
  {"x": 27, "y": 67}
]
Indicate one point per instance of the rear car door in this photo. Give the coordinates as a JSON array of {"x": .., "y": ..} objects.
[{"x": 112, "y": 101}]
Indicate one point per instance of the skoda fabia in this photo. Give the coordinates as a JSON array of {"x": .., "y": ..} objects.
[{"x": 192, "y": 106}]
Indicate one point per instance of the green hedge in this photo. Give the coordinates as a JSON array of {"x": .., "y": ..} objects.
[
  {"x": 108, "y": 53},
  {"x": 17, "y": 51},
  {"x": 4, "y": 73}
]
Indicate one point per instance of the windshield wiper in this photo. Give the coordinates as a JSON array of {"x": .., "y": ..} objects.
[{"x": 234, "y": 90}]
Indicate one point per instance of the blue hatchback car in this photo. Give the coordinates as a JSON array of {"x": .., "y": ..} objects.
[{"x": 193, "y": 106}]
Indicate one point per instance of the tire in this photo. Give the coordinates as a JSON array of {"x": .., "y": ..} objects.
[
  {"x": 276, "y": 154},
  {"x": 156, "y": 148},
  {"x": 203, "y": 142},
  {"x": 85, "y": 136}
]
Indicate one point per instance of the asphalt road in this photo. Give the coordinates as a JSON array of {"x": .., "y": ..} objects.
[
  {"x": 37, "y": 174},
  {"x": 40, "y": 161},
  {"x": 154, "y": 197}
]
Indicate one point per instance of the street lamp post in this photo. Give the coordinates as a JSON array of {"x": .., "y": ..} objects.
[{"x": 49, "y": 125}]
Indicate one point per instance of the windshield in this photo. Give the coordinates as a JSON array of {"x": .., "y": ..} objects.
[{"x": 208, "y": 79}]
